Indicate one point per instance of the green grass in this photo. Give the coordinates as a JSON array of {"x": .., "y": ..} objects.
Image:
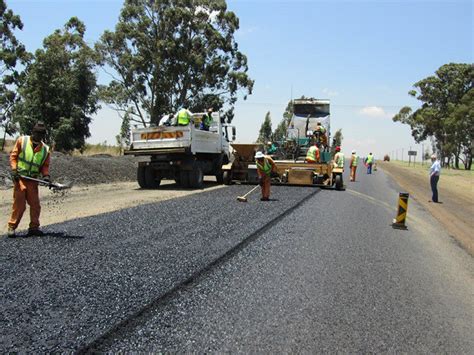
[{"x": 426, "y": 165}]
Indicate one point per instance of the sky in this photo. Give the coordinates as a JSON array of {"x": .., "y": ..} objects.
[{"x": 362, "y": 55}]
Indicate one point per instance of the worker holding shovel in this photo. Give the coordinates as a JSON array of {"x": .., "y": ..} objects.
[
  {"x": 29, "y": 158},
  {"x": 266, "y": 169}
]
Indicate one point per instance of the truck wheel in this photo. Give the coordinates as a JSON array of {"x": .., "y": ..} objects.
[
  {"x": 339, "y": 182},
  {"x": 151, "y": 179},
  {"x": 184, "y": 178},
  {"x": 227, "y": 177},
  {"x": 141, "y": 177},
  {"x": 220, "y": 177},
  {"x": 196, "y": 177}
]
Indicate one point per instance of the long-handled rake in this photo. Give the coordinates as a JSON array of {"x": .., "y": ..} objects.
[{"x": 244, "y": 197}]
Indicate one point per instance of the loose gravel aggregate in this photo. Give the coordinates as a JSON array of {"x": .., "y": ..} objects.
[{"x": 62, "y": 291}]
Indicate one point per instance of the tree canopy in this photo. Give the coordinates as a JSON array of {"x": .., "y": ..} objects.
[
  {"x": 60, "y": 88},
  {"x": 265, "y": 133},
  {"x": 167, "y": 54},
  {"x": 13, "y": 57},
  {"x": 446, "y": 112}
]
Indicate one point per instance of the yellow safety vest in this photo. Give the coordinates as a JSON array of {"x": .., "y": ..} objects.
[
  {"x": 266, "y": 168},
  {"x": 370, "y": 159},
  {"x": 29, "y": 161},
  {"x": 339, "y": 159},
  {"x": 207, "y": 120},
  {"x": 183, "y": 117},
  {"x": 311, "y": 155},
  {"x": 355, "y": 159}
]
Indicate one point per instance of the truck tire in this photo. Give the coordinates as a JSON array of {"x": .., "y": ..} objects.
[
  {"x": 196, "y": 177},
  {"x": 151, "y": 179},
  {"x": 141, "y": 177},
  {"x": 220, "y": 177},
  {"x": 339, "y": 183},
  {"x": 227, "y": 176},
  {"x": 184, "y": 178}
]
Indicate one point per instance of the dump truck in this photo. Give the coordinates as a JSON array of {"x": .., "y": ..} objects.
[
  {"x": 291, "y": 152},
  {"x": 181, "y": 153}
]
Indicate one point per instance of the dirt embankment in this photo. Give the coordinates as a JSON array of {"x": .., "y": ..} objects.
[
  {"x": 101, "y": 184},
  {"x": 456, "y": 194}
]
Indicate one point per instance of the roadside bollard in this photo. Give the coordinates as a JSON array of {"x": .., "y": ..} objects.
[{"x": 399, "y": 221}]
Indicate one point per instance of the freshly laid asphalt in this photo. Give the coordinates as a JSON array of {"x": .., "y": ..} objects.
[
  {"x": 327, "y": 274},
  {"x": 332, "y": 276},
  {"x": 62, "y": 291}
]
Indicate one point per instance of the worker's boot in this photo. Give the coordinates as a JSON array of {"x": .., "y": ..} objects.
[
  {"x": 35, "y": 233},
  {"x": 11, "y": 233}
]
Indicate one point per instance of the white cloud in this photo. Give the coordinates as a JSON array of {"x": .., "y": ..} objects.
[
  {"x": 212, "y": 14},
  {"x": 374, "y": 111},
  {"x": 330, "y": 92}
]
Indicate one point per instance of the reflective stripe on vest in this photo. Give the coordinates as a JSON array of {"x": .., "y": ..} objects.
[
  {"x": 266, "y": 168},
  {"x": 29, "y": 161},
  {"x": 183, "y": 117},
  {"x": 311, "y": 155},
  {"x": 339, "y": 160},
  {"x": 370, "y": 159},
  {"x": 355, "y": 160}
]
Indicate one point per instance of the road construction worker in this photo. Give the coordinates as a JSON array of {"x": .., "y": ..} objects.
[
  {"x": 369, "y": 161},
  {"x": 338, "y": 158},
  {"x": 206, "y": 120},
  {"x": 312, "y": 156},
  {"x": 184, "y": 116},
  {"x": 271, "y": 148},
  {"x": 320, "y": 134},
  {"x": 30, "y": 157},
  {"x": 353, "y": 165},
  {"x": 266, "y": 168}
]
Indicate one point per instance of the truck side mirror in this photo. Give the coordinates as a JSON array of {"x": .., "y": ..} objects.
[{"x": 234, "y": 133}]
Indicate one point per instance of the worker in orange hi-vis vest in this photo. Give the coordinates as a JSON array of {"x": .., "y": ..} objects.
[
  {"x": 30, "y": 157},
  {"x": 266, "y": 169}
]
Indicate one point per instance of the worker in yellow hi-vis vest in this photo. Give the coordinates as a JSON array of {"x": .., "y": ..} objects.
[
  {"x": 369, "y": 161},
  {"x": 353, "y": 165},
  {"x": 313, "y": 154},
  {"x": 266, "y": 169}
]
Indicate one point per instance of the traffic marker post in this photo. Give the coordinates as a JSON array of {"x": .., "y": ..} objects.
[{"x": 399, "y": 221}]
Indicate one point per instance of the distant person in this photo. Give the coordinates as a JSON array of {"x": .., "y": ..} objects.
[
  {"x": 320, "y": 134},
  {"x": 30, "y": 157},
  {"x": 338, "y": 158},
  {"x": 353, "y": 165},
  {"x": 266, "y": 169},
  {"x": 312, "y": 156},
  {"x": 206, "y": 120},
  {"x": 369, "y": 161},
  {"x": 271, "y": 148},
  {"x": 435, "y": 172}
]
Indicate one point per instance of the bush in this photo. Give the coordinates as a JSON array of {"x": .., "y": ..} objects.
[{"x": 386, "y": 157}]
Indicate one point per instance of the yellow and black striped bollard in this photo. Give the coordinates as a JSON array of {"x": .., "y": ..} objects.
[{"x": 399, "y": 221}]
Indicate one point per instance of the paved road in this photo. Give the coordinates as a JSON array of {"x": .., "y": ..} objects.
[
  {"x": 328, "y": 273},
  {"x": 331, "y": 276}
]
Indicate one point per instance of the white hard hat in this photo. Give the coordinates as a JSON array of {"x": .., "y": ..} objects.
[
  {"x": 259, "y": 155},
  {"x": 353, "y": 152}
]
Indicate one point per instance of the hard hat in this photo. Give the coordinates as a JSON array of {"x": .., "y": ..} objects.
[
  {"x": 338, "y": 149},
  {"x": 353, "y": 152},
  {"x": 259, "y": 155},
  {"x": 269, "y": 143}
]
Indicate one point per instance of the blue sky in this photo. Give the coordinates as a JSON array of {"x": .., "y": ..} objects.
[{"x": 363, "y": 55}]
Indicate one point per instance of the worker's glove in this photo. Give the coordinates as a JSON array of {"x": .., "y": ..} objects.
[
  {"x": 260, "y": 181},
  {"x": 15, "y": 175}
]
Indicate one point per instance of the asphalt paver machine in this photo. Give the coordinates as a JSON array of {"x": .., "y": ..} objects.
[{"x": 302, "y": 132}]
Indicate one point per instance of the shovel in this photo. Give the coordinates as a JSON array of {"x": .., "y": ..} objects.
[
  {"x": 244, "y": 197},
  {"x": 51, "y": 185}
]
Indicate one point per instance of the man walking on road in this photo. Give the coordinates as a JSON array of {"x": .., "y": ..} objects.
[
  {"x": 353, "y": 165},
  {"x": 29, "y": 157},
  {"x": 266, "y": 168},
  {"x": 369, "y": 161},
  {"x": 338, "y": 158},
  {"x": 435, "y": 171}
]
